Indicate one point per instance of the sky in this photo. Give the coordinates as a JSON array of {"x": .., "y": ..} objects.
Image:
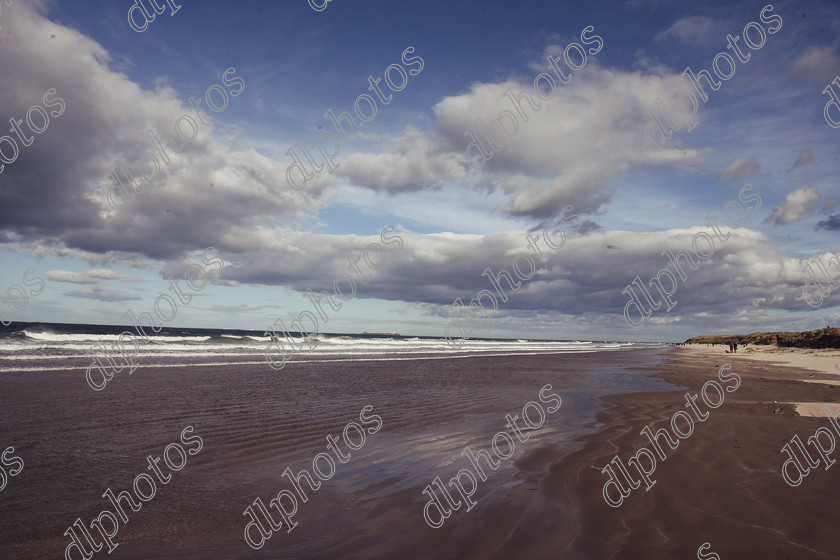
[{"x": 436, "y": 75}]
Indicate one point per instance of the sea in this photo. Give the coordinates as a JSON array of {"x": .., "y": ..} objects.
[{"x": 70, "y": 347}]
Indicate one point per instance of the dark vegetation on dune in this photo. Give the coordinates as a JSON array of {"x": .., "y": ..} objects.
[{"x": 821, "y": 338}]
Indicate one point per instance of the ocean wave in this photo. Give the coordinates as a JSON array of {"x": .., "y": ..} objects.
[
  {"x": 85, "y": 337},
  {"x": 365, "y": 357}
]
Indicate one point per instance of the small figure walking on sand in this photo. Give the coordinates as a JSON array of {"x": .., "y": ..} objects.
[
  {"x": 736, "y": 347},
  {"x": 730, "y": 349}
]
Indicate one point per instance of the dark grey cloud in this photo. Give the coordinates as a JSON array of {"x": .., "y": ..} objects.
[
  {"x": 583, "y": 278},
  {"x": 831, "y": 224}
]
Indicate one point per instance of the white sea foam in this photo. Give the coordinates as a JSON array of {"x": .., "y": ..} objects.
[{"x": 49, "y": 351}]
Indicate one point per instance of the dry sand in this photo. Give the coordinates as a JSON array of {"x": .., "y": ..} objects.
[
  {"x": 823, "y": 361},
  {"x": 813, "y": 409},
  {"x": 825, "y": 366}
]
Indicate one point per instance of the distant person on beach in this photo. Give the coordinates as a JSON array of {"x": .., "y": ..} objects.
[{"x": 736, "y": 347}]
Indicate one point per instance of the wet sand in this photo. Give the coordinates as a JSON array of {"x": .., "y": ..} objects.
[
  {"x": 722, "y": 485},
  {"x": 255, "y": 422}
]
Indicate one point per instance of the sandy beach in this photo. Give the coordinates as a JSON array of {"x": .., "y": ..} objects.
[
  {"x": 823, "y": 366},
  {"x": 722, "y": 485},
  {"x": 823, "y": 361}
]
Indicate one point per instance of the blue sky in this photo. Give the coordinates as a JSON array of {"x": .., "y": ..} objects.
[{"x": 584, "y": 147}]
